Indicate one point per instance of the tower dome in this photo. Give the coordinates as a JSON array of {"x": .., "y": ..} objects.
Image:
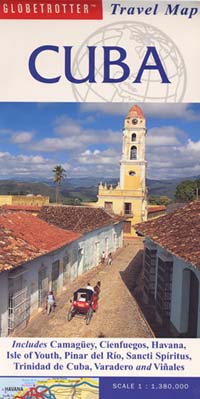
[{"x": 135, "y": 112}]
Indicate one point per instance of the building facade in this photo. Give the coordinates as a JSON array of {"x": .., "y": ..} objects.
[
  {"x": 37, "y": 256},
  {"x": 129, "y": 198},
  {"x": 24, "y": 200},
  {"x": 172, "y": 285},
  {"x": 172, "y": 269},
  {"x": 23, "y": 290},
  {"x": 100, "y": 232}
]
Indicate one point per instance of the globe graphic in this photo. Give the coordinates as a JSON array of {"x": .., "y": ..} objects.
[{"x": 134, "y": 37}]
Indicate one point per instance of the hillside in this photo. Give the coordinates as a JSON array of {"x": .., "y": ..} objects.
[
  {"x": 81, "y": 189},
  {"x": 67, "y": 195},
  {"x": 13, "y": 187},
  {"x": 162, "y": 187}
]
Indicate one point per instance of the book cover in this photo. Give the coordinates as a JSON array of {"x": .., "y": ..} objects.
[{"x": 99, "y": 199}]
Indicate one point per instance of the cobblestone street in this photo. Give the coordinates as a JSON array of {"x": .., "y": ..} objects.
[{"x": 118, "y": 314}]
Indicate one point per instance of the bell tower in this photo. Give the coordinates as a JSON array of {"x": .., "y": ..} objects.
[
  {"x": 129, "y": 198},
  {"x": 133, "y": 164}
]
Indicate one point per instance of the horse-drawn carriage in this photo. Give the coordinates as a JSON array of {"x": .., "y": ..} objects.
[{"x": 84, "y": 303}]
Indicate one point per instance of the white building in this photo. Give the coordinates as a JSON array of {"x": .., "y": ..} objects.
[
  {"x": 172, "y": 269},
  {"x": 100, "y": 231},
  {"x": 36, "y": 257}
]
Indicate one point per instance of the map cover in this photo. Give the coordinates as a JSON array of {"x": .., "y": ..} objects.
[{"x": 99, "y": 199}]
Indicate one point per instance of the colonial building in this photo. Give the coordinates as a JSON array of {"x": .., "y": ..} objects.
[
  {"x": 156, "y": 211},
  {"x": 36, "y": 256},
  {"x": 24, "y": 200},
  {"x": 100, "y": 231},
  {"x": 172, "y": 269},
  {"x": 32, "y": 261},
  {"x": 129, "y": 198}
]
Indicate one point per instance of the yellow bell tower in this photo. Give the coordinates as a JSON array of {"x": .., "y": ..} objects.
[
  {"x": 133, "y": 164},
  {"x": 129, "y": 197}
]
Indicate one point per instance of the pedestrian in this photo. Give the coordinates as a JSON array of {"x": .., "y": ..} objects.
[
  {"x": 89, "y": 287},
  {"x": 103, "y": 257},
  {"x": 110, "y": 259},
  {"x": 97, "y": 288},
  {"x": 50, "y": 302}
]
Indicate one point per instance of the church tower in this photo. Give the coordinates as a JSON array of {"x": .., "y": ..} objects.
[{"x": 128, "y": 199}]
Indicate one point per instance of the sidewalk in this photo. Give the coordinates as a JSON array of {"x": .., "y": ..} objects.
[{"x": 118, "y": 314}]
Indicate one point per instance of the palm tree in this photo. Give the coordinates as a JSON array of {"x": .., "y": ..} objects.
[{"x": 59, "y": 176}]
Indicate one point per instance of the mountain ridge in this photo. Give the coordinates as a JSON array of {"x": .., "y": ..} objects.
[{"x": 84, "y": 188}]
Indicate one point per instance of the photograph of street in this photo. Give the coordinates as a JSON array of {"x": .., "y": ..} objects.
[{"x": 100, "y": 220}]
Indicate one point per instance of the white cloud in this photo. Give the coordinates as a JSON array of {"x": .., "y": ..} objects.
[
  {"x": 169, "y": 151},
  {"x": 26, "y": 166},
  {"x": 192, "y": 146},
  {"x": 160, "y": 110},
  {"x": 55, "y": 144},
  {"x": 97, "y": 157},
  {"x": 174, "y": 161},
  {"x": 66, "y": 126},
  {"x": 71, "y": 135},
  {"x": 170, "y": 111},
  {"x": 165, "y": 135},
  {"x": 17, "y": 137},
  {"x": 22, "y": 137}
]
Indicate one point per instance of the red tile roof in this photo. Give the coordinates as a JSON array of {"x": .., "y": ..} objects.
[
  {"x": 15, "y": 251},
  {"x": 157, "y": 208},
  {"x": 178, "y": 232},
  {"x": 81, "y": 219},
  {"x": 135, "y": 111},
  {"x": 24, "y": 237},
  {"x": 25, "y": 208}
]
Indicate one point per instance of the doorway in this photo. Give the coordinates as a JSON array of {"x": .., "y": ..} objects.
[
  {"x": 193, "y": 305},
  {"x": 97, "y": 253},
  {"x": 55, "y": 276},
  {"x": 66, "y": 269},
  {"x": 18, "y": 300},
  {"x": 43, "y": 286},
  {"x": 80, "y": 262}
]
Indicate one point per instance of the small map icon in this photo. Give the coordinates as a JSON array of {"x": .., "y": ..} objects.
[{"x": 33, "y": 388}]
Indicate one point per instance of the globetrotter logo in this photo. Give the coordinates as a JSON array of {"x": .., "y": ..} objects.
[{"x": 51, "y": 9}]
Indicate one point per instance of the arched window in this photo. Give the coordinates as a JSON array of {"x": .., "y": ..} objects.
[
  {"x": 133, "y": 137},
  {"x": 133, "y": 153}
]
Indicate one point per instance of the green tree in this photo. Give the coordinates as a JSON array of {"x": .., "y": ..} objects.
[
  {"x": 59, "y": 176},
  {"x": 186, "y": 190},
  {"x": 159, "y": 200},
  {"x": 77, "y": 201},
  {"x": 197, "y": 187}
]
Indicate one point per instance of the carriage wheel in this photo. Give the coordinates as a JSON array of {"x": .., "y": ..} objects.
[
  {"x": 70, "y": 315},
  {"x": 89, "y": 316}
]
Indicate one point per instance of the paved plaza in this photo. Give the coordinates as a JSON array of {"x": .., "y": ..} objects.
[{"x": 118, "y": 314}]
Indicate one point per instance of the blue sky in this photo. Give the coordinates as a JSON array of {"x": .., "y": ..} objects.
[{"x": 86, "y": 139}]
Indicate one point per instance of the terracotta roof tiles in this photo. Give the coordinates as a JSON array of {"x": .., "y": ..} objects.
[
  {"x": 25, "y": 208},
  {"x": 135, "y": 111},
  {"x": 178, "y": 232},
  {"x": 81, "y": 219},
  {"x": 154, "y": 209},
  {"x": 24, "y": 237},
  {"x": 15, "y": 251}
]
